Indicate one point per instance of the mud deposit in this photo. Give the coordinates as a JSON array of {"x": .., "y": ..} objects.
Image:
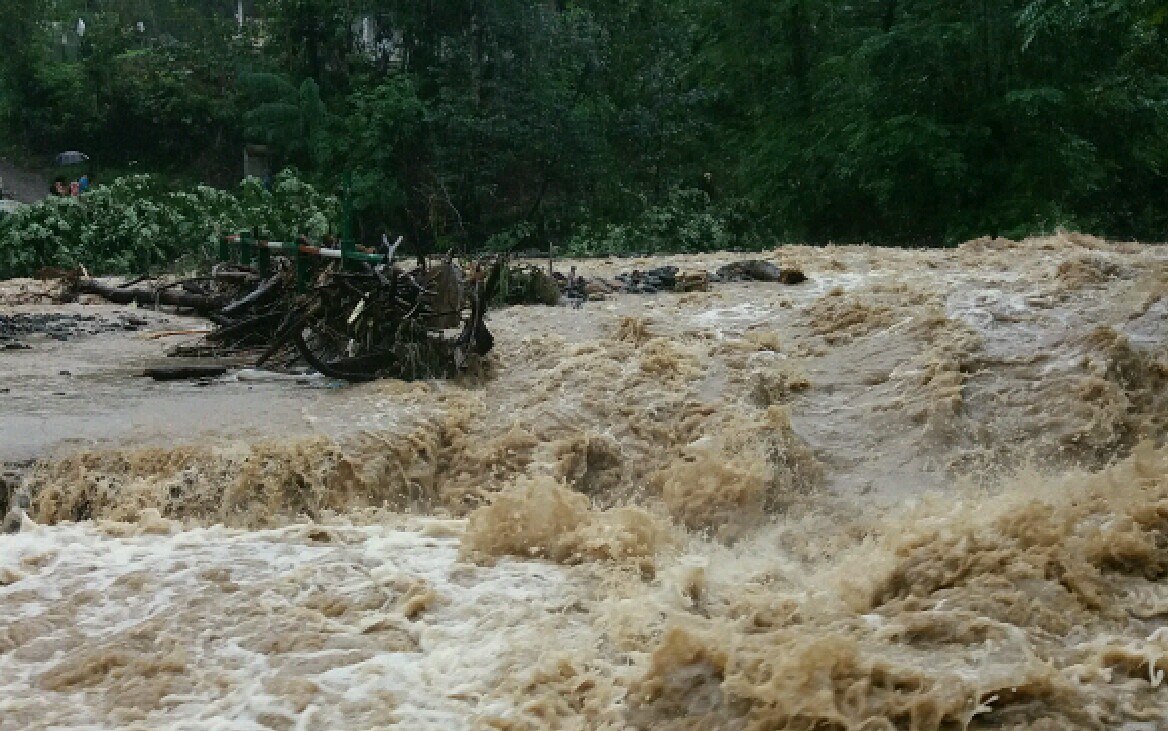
[{"x": 921, "y": 490}]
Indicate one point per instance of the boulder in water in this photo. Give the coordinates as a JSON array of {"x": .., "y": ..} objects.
[{"x": 757, "y": 270}]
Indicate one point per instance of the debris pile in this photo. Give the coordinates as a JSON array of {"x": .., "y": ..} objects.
[
  {"x": 354, "y": 323},
  {"x": 650, "y": 281},
  {"x": 16, "y": 328},
  {"x": 528, "y": 284},
  {"x": 670, "y": 279}
]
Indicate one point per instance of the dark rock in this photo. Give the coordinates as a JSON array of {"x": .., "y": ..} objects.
[
  {"x": 757, "y": 270},
  {"x": 792, "y": 276},
  {"x": 57, "y": 326},
  {"x": 749, "y": 270}
]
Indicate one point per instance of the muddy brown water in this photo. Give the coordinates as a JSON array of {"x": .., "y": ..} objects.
[{"x": 922, "y": 490}]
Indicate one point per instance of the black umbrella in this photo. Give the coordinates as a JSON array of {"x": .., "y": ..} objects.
[{"x": 70, "y": 158}]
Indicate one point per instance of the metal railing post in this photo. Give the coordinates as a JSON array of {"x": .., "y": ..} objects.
[
  {"x": 264, "y": 258},
  {"x": 348, "y": 244},
  {"x": 246, "y": 248},
  {"x": 300, "y": 259}
]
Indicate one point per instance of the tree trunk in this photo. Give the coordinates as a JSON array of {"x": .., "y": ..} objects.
[{"x": 150, "y": 297}]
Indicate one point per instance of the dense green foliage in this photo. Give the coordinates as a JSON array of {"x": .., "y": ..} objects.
[
  {"x": 927, "y": 121},
  {"x": 137, "y": 225},
  {"x": 645, "y": 125}
]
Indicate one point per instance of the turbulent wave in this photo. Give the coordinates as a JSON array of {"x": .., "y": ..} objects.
[{"x": 1039, "y": 608}]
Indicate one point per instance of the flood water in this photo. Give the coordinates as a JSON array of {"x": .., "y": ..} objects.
[{"x": 921, "y": 490}]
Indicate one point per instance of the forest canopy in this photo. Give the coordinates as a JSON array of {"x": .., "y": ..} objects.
[{"x": 641, "y": 125}]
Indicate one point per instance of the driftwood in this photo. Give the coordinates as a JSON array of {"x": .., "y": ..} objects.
[
  {"x": 183, "y": 373},
  {"x": 149, "y": 297},
  {"x": 172, "y": 333}
]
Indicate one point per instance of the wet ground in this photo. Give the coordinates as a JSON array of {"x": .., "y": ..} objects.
[
  {"x": 24, "y": 185},
  {"x": 76, "y": 381}
]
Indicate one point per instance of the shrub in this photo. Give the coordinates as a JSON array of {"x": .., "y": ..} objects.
[
  {"x": 135, "y": 225},
  {"x": 685, "y": 222}
]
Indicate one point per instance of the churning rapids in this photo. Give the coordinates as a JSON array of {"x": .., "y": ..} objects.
[{"x": 922, "y": 490}]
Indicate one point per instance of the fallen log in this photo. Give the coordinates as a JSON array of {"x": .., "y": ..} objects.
[
  {"x": 135, "y": 280},
  {"x": 173, "y": 333},
  {"x": 185, "y": 372},
  {"x": 150, "y": 297}
]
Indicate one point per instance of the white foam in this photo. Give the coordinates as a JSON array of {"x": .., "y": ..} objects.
[{"x": 484, "y": 627}]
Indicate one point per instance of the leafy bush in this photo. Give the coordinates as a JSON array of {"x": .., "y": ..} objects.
[
  {"x": 291, "y": 207},
  {"x": 686, "y": 222},
  {"x": 513, "y": 238},
  {"x": 135, "y": 225}
]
